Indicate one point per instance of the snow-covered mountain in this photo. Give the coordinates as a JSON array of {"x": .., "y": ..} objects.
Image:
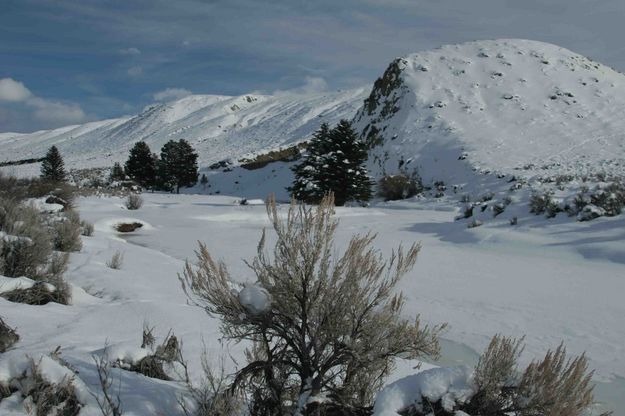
[
  {"x": 511, "y": 107},
  {"x": 219, "y": 127}
]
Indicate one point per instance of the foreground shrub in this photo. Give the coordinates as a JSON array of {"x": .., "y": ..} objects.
[
  {"x": 320, "y": 325},
  {"x": 41, "y": 294},
  {"x": 25, "y": 241},
  {"x": 164, "y": 362},
  {"x": 67, "y": 231},
  {"x": 213, "y": 396},
  {"x": 553, "y": 386},
  {"x": 44, "y": 393},
  {"x": 8, "y": 336},
  {"x": 400, "y": 186},
  {"x": 134, "y": 201},
  {"x": 86, "y": 228}
]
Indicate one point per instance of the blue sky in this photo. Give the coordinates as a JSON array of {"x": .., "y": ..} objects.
[{"x": 65, "y": 62}]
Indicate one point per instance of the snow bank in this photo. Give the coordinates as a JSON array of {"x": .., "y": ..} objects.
[
  {"x": 450, "y": 385},
  {"x": 16, "y": 370},
  {"x": 7, "y": 284},
  {"x": 41, "y": 205}
]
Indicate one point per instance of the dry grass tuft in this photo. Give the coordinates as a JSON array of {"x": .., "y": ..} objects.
[
  {"x": 116, "y": 261},
  {"x": 8, "y": 336},
  {"x": 134, "y": 201}
]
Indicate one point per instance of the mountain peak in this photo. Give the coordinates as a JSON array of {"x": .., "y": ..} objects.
[{"x": 510, "y": 106}]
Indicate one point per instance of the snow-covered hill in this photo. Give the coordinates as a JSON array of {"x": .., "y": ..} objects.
[
  {"x": 219, "y": 127},
  {"x": 513, "y": 107}
]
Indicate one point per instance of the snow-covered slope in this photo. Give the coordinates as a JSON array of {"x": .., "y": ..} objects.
[
  {"x": 219, "y": 127},
  {"x": 514, "y": 107}
]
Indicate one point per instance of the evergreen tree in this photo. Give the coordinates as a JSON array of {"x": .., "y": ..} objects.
[
  {"x": 178, "y": 165},
  {"x": 308, "y": 184},
  {"x": 52, "y": 167},
  {"x": 141, "y": 165},
  {"x": 117, "y": 173},
  {"x": 334, "y": 163}
]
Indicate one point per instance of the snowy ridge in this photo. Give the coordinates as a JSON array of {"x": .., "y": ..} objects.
[
  {"x": 514, "y": 107},
  {"x": 219, "y": 127}
]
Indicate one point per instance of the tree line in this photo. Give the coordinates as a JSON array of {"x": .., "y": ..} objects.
[{"x": 175, "y": 168}]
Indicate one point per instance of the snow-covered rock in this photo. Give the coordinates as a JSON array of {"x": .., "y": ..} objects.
[{"x": 449, "y": 385}]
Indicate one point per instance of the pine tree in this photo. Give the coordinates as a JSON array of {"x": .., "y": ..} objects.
[
  {"x": 52, "y": 167},
  {"x": 334, "y": 163},
  {"x": 117, "y": 173},
  {"x": 204, "y": 180},
  {"x": 178, "y": 165},
  {"x": 141, "y": 165},
  {"x": 308, "y": 186}
]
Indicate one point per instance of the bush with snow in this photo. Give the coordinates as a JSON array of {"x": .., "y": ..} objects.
[
  {"x": 134, "y": 201},
  {"x": 26, "y": 252},
  {"x": 42, "y": 386},
  {"x": 400, "y": 186},
  {"x": 67, "y": 230},
  {"x": 324, "y": 330},
  {"x": 164, "y": 361},
  {"x": 554, "y": 386}
]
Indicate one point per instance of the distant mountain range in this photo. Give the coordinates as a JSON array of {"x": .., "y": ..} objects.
[{"x": 509, "y": 107}]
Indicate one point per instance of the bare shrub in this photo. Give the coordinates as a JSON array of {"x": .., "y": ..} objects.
[
  {"x": 147, "y": 338},
  {"x": 498, "y": 208},
  {"x": 109, "y": 404},
  {"x": 40, "y": 293},
  {"x": 116, "y": 261},
  {"x": 86, "y": 229},
  {"x": 553, "y": 386},
  {"x": 128, "y": 227},
  {"x": 610, "y": 198},
  {"x": 67, "y": 232},
  {"x": 169, "y": 353},
  {"x": 46, "y": 398},
  {"x": 319, "y": 324},
  {"x": 400, "y": 186},
  {"x": 8, "y": 336},
  {"x": 59, "y": 192},
  {"x": 495, "y": 375},
  {"x": 134, "y": 201},
  {"x": 26, "y": 243},
  {"x": 213, "y": 397},
  {"x": 539, "y": 202}
]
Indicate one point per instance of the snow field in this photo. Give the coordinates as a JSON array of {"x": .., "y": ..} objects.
[{"x": 558, "y": 283}]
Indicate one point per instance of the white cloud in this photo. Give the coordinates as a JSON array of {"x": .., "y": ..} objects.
[
  {"x": 312, "y": 85},
  {"x": 56, "y": 112},
  {"x": 24, "y": 110},
  {"x": 11, "y": 90},
  {"x": 170, "y": 94},
  {"x": 130, "y": 51},
  {"x": 135, "y": 71}
]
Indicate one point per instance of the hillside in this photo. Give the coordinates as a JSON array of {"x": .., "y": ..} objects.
[
  {"x": 512, "y": 107},
  {"x": 219, "y": 127}
]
